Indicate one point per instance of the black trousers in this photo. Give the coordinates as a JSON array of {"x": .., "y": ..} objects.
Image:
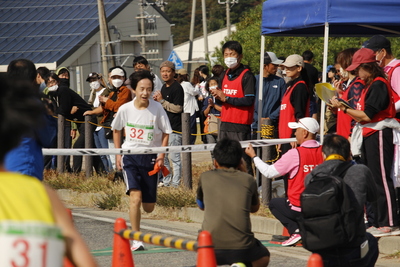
[{"x": 280, "y": 208}]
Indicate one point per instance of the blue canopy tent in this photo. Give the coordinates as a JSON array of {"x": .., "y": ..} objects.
[{"x": 344, "y": 18}]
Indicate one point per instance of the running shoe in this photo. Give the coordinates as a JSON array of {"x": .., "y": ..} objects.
[
  {"x": 137, "y": 245},
  {"x": 385, "y": 231},
  {"x": 293, "y": 239}
]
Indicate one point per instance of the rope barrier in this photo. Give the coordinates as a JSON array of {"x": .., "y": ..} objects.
[
  {"x": 156, "y": 150},
  {"x": 267, "y": 132},
  {"x": 159, "y": 240}
]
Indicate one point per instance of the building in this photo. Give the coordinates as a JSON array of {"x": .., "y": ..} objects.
[{"x": 66, "y": 33}]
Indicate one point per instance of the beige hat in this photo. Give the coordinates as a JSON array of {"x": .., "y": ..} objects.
[
  {"x": 293, "y": 60},
  {"x": 117, "y": 72},
  {"x": 182, "y": 71},
  {"x": 168, "y": 64}
]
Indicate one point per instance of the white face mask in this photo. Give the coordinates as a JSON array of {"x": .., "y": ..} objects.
[
  {"x": 376, "y": 57},
  {"x": 231, "y": 62},
  {"x": 95, "y": 85},
  {"x": 344, "y": 73},
  {"x": 117, "y": 83},
  {"x": 213, "y": 87},
  {"x": 53, "y": 88}
]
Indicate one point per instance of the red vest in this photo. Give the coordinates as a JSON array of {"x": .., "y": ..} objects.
[
  {"x": 235, "y": 114},
  {"x": 309, "y": 158},
  {"x": 343, "y": 126},
  {"x": 396, "y": 97},
  {"x": 389, "y": 112},
  {"x": 287, "y": 112}
]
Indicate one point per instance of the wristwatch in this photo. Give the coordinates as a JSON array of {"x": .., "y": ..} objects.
[
  {"x": 226, "y": 98},
  {"x": 345, "y": 110},
  {"x": 162, "y": 101}
]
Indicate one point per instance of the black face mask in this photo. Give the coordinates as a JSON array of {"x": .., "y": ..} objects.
[{"x": 64, "y": 82}]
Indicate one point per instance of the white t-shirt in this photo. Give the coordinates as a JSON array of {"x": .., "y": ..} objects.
[
  {"x": 157, "y": 83},
  {"x": 143, "y": 128},
  {"x": 96, "y": 103},
  {"x": 190, "y": 102}
]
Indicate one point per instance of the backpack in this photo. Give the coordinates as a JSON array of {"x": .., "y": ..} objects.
[{"x": 330, "y": 218}]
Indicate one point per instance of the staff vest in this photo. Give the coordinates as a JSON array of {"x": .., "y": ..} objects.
[
  {"x": 343, "y": 126},
  {"x": 287, "y": 112},
  {"x": 309, "y": 158},
  {"x": 389, "y": 112},
  {"x": 231, "y": 113}
]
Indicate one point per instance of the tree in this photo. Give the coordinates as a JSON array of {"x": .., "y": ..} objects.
[
  {"x": 249, "y": 35},
  {"x": 180, "y": 13}
]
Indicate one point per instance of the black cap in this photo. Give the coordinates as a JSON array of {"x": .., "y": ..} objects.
[
  {"x": 377, "y": 42},
  {"x": 93, "y": 75}
]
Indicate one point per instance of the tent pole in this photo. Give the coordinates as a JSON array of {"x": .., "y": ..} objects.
[
  {"x": 260, "y": 87},
  {"x": 324, "y": 65}
]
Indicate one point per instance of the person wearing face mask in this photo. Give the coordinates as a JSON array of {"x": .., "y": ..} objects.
[
  {"x": 42, "y": 73},
  {"x": 237, "y": 95},
  {"x": 63, "y": 74},
  {"x": 212, "y": 106},
  {"x": 375, "y": 113},
  {"x": 383, "y": 54},
  {"x": 109, "y": 105},
  {"x": 352, "y": 86},
  {"x": 204, "y": 74},
  {"x": 72, "y": 106},
  {"x": 97, "y": 88}
]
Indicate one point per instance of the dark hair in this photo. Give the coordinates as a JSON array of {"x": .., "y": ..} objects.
[
  {"x": 205, "y": 70},
  {"x": 140, "y": 60},
  {"x": 63, "y": 70},
  {"x": 182, "y": 77},
  {"x": 233, "y": 45},
  {"x": 217, "y": 70},
  {"x": 374, "y": 69},
  {"x": 43, "y": 72},
  {"x": 21, "y": 70},
  {"x": 20, "y": 111},
  {"x": 139, "y": 75},
  {"x": 307, "y": 55},
  {"x": 118, "y": 67},
  {"x": 52, "y": 75},
  {"x": 336, "y": 144},
  {"x": 196, "y": 77},
  {"x": 345, "y": 57},
  {"x": 213, "y": 78},
  {"x": 228, "y": 153}
]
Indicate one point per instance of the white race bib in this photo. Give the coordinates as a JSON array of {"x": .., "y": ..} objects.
[
  {"x": 29, "y": 244},
  {"x": 139, "y": 134}
]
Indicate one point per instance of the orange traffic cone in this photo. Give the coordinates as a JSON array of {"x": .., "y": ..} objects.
[
  {"x": 205, "y": 251},
  {"x": 122, "y": 254},
  {"x": 315, "y": 260},
  {"x": 67, "y": 262}
]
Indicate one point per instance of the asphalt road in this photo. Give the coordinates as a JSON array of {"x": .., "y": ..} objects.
[{"x": 97, "y": 226}]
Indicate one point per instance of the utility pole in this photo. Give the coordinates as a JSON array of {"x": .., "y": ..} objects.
[
  {"x": 100, "y": 7},
  {"x": 143, "y": 30},
  {"x": 205, "y": 34},
  {"x": 191, "y": 36},
  {"x": 228, "y": 13}
]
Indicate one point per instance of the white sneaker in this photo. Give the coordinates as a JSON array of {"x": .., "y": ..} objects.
[
  {"x": 160, "y": 184},
  {"x": 137, "y": 245}
]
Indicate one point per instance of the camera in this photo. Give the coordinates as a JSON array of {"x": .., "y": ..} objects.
[{"x": 337, "y": 77}]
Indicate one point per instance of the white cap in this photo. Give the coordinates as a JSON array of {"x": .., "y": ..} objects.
[
  {"x": 309, "y": 124},
  {"x": 273, "y": 59},
  {"x": 293, "y": 60},
  {"x": 118, "y": 72}
]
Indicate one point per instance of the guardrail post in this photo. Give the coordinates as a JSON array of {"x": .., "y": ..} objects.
[
  {"x": 60, "y": 142},
  {"x": 187, "y": 156},
  {"x": 266, "y": 184},
  {"x": 88, "y": 144}
]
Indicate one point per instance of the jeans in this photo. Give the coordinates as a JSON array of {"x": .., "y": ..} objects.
[
  {"x": 100, "y": 141},
  {"x": 174, "y": 140}
]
